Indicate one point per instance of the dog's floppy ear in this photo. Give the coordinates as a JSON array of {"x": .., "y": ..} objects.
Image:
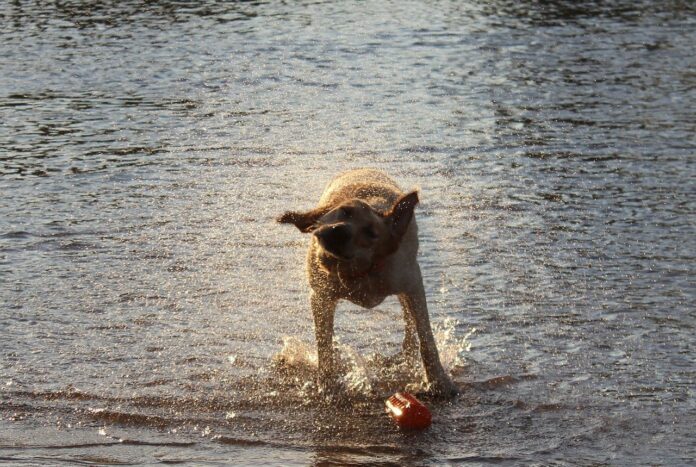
[
  {"x": 401, "y": 213},
  {"x": 305, "y": 221}
]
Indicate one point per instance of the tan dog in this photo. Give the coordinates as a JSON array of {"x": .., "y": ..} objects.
[{"x": 363, "y": 249}]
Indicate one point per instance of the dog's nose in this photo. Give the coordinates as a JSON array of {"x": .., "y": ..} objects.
[{"x": 333, "y": 235}]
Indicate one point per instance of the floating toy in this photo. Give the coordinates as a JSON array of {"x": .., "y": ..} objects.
[{"x": 408, "y": 412}]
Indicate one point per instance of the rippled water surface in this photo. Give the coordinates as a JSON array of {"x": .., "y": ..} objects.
[{"x": 152, "y": 311}]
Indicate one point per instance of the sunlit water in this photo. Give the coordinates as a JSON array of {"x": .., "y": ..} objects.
[{"x": 152, "y": 311}]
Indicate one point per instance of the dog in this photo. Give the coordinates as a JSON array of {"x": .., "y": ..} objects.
[{"x": 363, "y": 248}]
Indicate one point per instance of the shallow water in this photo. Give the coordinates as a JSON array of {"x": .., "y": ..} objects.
[{"x": 153, "y": 312}]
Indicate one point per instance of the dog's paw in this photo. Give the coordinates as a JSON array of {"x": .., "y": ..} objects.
[
  {"x": 443, "y": 388},
  {"x": 329, "y": 384}
]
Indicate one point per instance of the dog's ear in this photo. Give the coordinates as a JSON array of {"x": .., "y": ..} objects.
[
  {"x": 304, "y": 221},
  {"x": 401, "y": 213}
]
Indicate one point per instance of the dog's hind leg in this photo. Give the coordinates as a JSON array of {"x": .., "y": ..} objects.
[{"x": 323, "y": 309}]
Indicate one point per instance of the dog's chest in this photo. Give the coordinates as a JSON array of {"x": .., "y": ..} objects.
[{"x": 367, "y": 292}]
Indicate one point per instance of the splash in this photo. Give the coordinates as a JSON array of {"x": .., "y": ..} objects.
[
  {"x": 296, "y": 354},
  {"x": 375, "y": 374},
  {"x": 299, "y": 358},
  {"x": 452, "y": 347},
  {"x": 358, "y": 373}
]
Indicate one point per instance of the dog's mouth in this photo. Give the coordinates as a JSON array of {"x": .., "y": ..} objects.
[
  {"x": 338, "y": 256},
  {"x": 335, "y": 252}
]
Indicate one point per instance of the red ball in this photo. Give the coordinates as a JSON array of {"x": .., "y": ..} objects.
[{"x": 408, "y": 412}]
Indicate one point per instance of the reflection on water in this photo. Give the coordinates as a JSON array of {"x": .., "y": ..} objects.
[{"x": 153, "y": 312}]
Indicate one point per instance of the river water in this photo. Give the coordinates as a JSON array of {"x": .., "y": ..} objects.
[{"x": 151, "y": 311}]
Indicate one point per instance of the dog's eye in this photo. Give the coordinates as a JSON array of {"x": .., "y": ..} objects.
[{"x": 370, "y": 232}]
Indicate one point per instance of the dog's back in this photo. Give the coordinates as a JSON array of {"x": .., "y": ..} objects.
[{"x": 370, "y": 185}]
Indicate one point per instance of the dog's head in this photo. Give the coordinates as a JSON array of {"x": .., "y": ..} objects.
[{"x": 354, "y": 230}]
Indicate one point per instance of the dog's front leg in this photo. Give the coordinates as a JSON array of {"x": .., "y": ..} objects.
[
  {"x": 414, "y": 303},
  {"x": 323, "y": 308},
  {"x": 409, "y": 347}
]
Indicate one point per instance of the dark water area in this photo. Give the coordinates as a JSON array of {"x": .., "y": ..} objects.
[{"x": 152, "y": 311}]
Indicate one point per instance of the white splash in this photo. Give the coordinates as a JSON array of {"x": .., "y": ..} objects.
[
  {"x": 359, "y": 376},
  {"x": 296, "y": 353},
  {"x": 452, "y": 348},
  {"x": 374, "y": 373}
]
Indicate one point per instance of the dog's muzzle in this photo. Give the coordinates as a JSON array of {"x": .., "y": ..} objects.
[{"x": 333, "y": 238}]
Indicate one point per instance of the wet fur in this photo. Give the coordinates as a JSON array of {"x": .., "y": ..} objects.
[{"x": 378, "y": 261}]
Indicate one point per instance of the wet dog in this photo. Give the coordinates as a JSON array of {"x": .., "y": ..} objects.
[{"x": 363, "y": 249}]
